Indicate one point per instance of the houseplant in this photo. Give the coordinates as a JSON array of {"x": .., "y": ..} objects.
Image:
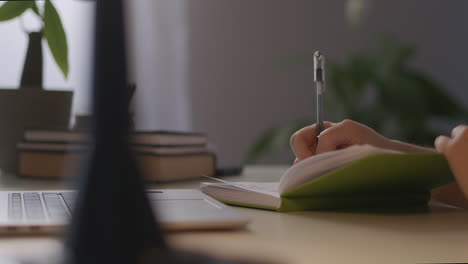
[
  {"x": 31, "y": 105},
  {"x": 52, "y": 29}
]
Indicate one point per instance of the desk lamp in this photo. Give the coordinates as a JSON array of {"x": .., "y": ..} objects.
[{"x": 113, "y": 221}]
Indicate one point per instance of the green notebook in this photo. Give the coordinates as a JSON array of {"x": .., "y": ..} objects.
[{"x": 355, "y": 177}]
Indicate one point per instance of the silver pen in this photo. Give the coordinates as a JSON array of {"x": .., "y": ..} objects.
[{"x": 319, "y": 79}]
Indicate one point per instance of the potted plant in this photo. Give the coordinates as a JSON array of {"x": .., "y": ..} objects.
[
  {"x": 52, "y": 30},
  {"x": 31, "y": 105}
]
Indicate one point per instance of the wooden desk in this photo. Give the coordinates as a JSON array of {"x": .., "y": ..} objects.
[{"x": 307, "y": 237}]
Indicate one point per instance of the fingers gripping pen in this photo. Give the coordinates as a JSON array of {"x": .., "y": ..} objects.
[{"x": 319, "y": 79}]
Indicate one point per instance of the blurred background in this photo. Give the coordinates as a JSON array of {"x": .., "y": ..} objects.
[{"x": 241, "y": 71}]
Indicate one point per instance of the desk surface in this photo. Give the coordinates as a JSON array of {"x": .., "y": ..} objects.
[{"x": 302, "y": 237}]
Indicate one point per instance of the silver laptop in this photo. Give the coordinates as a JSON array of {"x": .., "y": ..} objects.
[{"x": 176, "y": 209}]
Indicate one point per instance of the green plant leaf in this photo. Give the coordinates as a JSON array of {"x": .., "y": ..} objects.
[
  {"x": 273, "y": 140},
  {"x": 35, "y": 9},
  {"x": 392, "y": 55},
  {"x": 440, "y": 103},
  {"x": 262, "y": 145},
  {"x": 55, "y": 35},
  {"x": 12, "y": 9}
]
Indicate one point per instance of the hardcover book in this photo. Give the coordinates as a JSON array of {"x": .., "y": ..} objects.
[{"x": 159, "y": 138}]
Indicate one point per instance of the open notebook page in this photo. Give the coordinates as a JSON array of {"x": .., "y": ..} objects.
[
  {"x": 315, "y": 166},
  {"x": 258, "y": 193}
]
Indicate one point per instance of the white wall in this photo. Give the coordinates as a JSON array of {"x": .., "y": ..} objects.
[
  {"x": 241, "y": 86},
  {"x": 159, "y": 64}
]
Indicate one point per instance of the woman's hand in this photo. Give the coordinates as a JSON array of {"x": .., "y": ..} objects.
[
  {"x": 455, "y": 149},
  {"x": 335, "y": 136},
  {"x": 347, "y": 133},
  {"x": 341, "y": 135}
]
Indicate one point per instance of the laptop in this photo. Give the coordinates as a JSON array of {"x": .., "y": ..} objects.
[{"x": 49, "y": 211}]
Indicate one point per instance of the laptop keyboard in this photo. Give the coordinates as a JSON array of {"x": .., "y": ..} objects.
[
  {"x": 55, "y": 207},
  {"x": 16, "y": 207},
  {"x": 69, "y": 199},
  {"x": 52, "y": 206},
  {"x": 33, "y": 206}
]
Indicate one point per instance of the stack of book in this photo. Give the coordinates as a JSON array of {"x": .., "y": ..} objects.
[{"x": 163, "y": 155}]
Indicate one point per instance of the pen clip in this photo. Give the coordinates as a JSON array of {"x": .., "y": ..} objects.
[{"x": 319, "y": 67}]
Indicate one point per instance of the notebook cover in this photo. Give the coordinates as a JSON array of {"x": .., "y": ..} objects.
[
  {"x": 344, "y": 202},
  {"x": 380, "y": 173}
]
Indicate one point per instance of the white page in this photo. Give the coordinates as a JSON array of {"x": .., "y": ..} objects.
[
  {"x": 269, "y": 188},
  {"x": 316, "y": 166}
]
